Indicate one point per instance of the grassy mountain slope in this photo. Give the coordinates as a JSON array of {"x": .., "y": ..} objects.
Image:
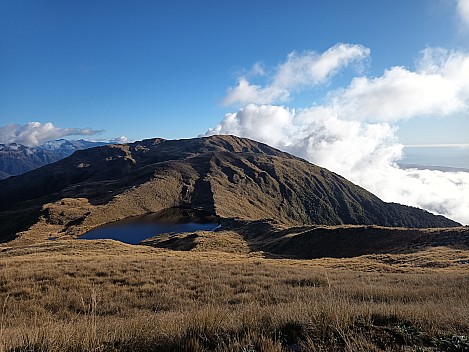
[{"x": 223, "y": 175}]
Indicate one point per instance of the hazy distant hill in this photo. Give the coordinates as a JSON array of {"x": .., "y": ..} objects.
[
  {"x": 224, "y": 175},
  {"x": 16, "y": 159}
]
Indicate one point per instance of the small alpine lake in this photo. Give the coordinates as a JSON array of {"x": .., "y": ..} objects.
[{"x": 136, "y": 229}]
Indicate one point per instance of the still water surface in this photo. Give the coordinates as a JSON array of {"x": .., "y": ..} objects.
[{"x": 134, "y": 230}]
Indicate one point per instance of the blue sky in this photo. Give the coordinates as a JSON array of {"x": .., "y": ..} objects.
[
  {"x": 151, "y": 68},
  {"x": 343, "y": 84}
]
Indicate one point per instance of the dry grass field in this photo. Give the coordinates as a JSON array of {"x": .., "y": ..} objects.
[{"x": 73, "y": 295}]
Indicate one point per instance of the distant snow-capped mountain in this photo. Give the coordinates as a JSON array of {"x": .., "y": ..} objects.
[{"x": 16, "y": 159}]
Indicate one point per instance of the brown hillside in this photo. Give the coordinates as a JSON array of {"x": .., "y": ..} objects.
[{"x": 224, "y": 175}]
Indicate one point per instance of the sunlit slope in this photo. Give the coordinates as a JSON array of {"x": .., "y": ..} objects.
[{"x": 224, "y": 175}]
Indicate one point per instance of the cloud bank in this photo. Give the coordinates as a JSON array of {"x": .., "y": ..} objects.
[
  {"x": 353, "y": 134},
  {"x": 34, "y": 133}
]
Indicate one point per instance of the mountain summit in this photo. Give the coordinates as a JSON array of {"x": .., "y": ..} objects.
[{"x": 226, "y": 176}]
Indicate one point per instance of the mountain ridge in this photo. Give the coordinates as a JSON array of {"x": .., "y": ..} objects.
[
  {"x": 16, "y": 159},
  {"x": 228, "y": 176}
]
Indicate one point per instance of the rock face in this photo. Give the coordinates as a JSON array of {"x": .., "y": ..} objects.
[
  {"x": 16, "y": 159},
  {"x": 227, "y": 176}
]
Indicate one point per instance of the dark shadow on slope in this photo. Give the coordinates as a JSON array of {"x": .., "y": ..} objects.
[
  {"x": 13, "y": 222},
  {"x": 311, "y": 242},
  {"x": 353, "y": 242}
]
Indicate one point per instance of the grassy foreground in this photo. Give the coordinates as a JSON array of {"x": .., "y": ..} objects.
[{"x": 107, "y": 296}]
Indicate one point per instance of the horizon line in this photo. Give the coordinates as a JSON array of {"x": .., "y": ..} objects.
[{"x": 438, "y": 145}]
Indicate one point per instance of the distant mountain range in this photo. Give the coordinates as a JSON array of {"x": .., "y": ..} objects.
[
  {"x": 225, "y": 176},
  {"x": 16, "y": 159}
]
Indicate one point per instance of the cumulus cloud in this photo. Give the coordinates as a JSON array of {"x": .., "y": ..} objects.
[
  {"x": 463, "y": 11},
  {"x": 439, "y": 86},
  {"x": 263, "y": 123},
  {"x": 317, "y": 135},
  {"x": 311, "y": 69},
  {"x": 34, "y": 133},
  {"x": 353, "y": 133},
  {"x": 299, "y": 71}
]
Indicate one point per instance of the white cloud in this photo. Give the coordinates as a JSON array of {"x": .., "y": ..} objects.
[
  {"x": 311, "y": 69},
  {"x": 463, "y": 11},
  {"x": 352, "y": 133},
  {"x": 35, "y": 133},
  {"x": 299, "y": 71},
  {"x": 265, "y": 122},
  {"x": 317, "y": 135},
  {"x": 246, "y": 93},
  {"x": 438, "y": 87}
]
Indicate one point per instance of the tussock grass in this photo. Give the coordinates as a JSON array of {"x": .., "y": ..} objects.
[{"x": 107, "y": 296}]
